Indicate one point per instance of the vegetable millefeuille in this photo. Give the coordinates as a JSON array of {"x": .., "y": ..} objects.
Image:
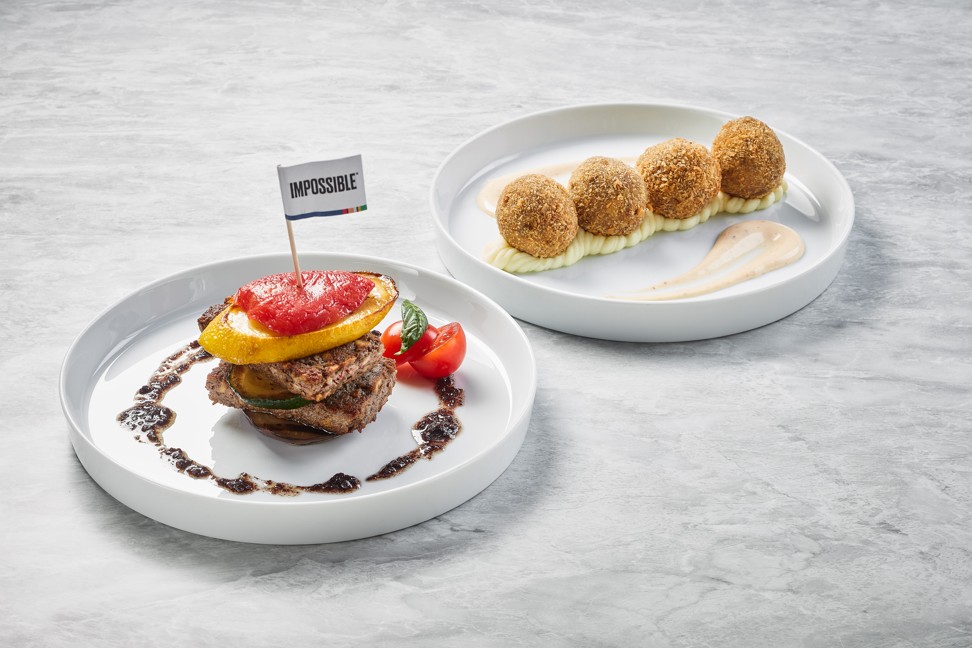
[{"x": 303, "y": 364}]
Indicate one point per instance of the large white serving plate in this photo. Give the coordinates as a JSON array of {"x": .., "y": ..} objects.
[
  {"x": 819, "y": 206},
  {"x": 121, "y": 348}
]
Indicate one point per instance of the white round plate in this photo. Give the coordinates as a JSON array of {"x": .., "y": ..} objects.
[
  {"x": 819, "y": 206},
  {"x": 122, "y": 347}
]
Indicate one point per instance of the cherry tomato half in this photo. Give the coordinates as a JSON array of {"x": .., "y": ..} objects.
[
  {"x": 445, "y": 355},
  {"x": 392, "y": 340}
]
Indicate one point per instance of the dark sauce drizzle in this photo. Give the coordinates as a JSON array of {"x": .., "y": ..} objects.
[
  {"x": 149, "y": 417},
  {"x": 433, "y": 432}
]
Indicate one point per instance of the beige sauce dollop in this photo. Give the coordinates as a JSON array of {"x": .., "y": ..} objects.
[{"x": 741, "y": 252}]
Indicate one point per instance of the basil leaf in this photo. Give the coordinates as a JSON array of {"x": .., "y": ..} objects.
[{"x": 414, "y": 323}]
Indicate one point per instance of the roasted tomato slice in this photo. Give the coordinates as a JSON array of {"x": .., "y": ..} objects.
[
  {"x": 392, "y": 341},
  {"x": 279, "y": 304},
  {"x": 234, "y": 337},
  {"x": 445, "y": 355}
]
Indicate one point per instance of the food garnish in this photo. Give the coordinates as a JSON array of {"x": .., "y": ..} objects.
[
  {"x": 434, "y": 352},
  {"x": 447, "y": 352},
  {"x": 414, "y": 325},
  {"x": 392, "y": 341}
]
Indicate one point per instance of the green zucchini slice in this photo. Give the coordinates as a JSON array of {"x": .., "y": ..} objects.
[{"x": 256, "y": 391}]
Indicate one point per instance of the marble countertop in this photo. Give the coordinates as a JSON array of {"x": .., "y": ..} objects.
[{"x": 804, "y": 484}]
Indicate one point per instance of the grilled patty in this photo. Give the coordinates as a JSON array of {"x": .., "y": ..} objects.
[
  {"x": 211, "y": 314},
  {"x": 349, "y": 408},
  {"x": 318, "y": 376}
]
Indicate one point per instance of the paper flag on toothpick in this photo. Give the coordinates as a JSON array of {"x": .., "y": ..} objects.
[{"x": 325, "y": 188}]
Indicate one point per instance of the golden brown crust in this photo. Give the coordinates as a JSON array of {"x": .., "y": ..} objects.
[
  {"x": 750, "y": 156},
  {"x": 609, "y": 196},
  {"x": 681, "y": 176},
  {"x": 536, "y": 215}
]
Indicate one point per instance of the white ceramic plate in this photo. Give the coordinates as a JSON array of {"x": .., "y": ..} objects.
[
  {"x": 120, "y": 349},
  {"x": 819, "y": 206}
]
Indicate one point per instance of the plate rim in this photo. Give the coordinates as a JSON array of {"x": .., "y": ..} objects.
[
  {"x": 834, "y": 254},
  {"x": 519, "y": 417}
]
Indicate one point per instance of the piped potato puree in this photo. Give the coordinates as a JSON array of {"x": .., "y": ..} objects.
[{"x": 502, "y": 255}]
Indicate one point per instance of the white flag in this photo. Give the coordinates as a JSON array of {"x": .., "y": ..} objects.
[{"x": 325, "y": 188}]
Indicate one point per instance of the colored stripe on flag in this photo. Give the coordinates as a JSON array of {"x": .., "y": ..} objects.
[{"x": 333, "y": 212}]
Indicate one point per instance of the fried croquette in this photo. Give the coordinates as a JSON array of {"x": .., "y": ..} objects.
[
  {"x": 536, "y": 215},
  {"x": 609, "y": 196},
  {"x": 750, "y": 156},
  {"x": 681, "y": 176}
]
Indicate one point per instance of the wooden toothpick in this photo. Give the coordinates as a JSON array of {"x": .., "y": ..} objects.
[{"x": 293, "y": 252}]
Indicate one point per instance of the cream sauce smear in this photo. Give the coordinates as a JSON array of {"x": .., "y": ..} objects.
[{"x": 741, "y": 252}]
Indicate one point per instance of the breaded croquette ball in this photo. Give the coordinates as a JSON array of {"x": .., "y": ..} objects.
[
  {"x": 750, "y": 156},
  {"x": 536, "y": 215},
  {"x": 681, "y": 176},
  {"x": 609, "y": 196}
]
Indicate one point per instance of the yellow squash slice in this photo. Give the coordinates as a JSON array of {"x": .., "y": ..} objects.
[{"x": 235, "y": 338}]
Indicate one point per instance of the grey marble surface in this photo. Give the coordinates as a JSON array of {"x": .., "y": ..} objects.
[{"x": 805, "y": 484}]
